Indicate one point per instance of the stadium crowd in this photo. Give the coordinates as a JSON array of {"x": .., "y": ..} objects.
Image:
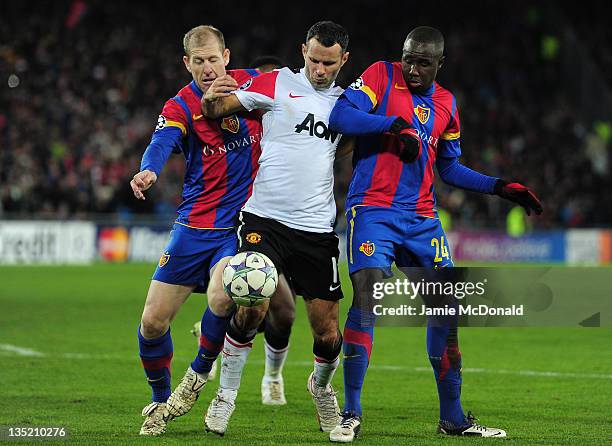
[{"x": 83, "y": 82}]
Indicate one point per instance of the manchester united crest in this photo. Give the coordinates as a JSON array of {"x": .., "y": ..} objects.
[
  {"x": 422, "y": 113},
  {"x": 230, "y": 124},
  {"x": 367, "y": 248},
  {"x": 253, "y": 238},
  {"x": 164, "y": 259}
]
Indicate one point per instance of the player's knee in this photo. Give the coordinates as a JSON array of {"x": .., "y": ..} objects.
[
  {"x": 363, "y": 282},
  {"x": 327, "y": 337},
  {"x": 153, "y": 327},
  {"x": 328, "y": 345},
  {"x": 219, "y": 302},
  {"x": 247, "y": 319}
]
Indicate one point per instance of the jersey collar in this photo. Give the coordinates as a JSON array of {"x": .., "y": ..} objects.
[
  {"x": 427, "y": 92},
  {"x": 194, "y": 87}
]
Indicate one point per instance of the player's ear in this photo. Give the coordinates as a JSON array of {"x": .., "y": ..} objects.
[
  {"x": 345, "y": 57},
  {"x": 441, "y": 62},
  {"x": 186, "y": 62},
  {"x": 226, "y": 56},
  {"x": 304, "y": 50}
]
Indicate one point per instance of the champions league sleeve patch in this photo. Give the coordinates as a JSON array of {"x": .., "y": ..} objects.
[
  {"x": 161, "y": 123},
  {"x": 357, "y": 84},
  {"x": 246, "y": 85}
]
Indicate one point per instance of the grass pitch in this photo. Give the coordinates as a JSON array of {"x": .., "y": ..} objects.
[{"x": 70, "y": 357}]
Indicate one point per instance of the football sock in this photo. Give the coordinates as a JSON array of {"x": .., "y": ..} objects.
[
  {"x": 445, "y": 358},
  {"x": 326, "y": 362},
  {"x": 275, "y": 358},
  {"x": 236, "y": 349},
  {"x": 211, "y": 341},
  {"x": 156, "y": 356},
  {"x": 357, "y": 346}
]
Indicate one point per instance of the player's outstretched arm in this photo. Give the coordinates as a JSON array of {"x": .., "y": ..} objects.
[
  {"x": 219, "y": 100},
  {"x": 517, "y": 193},
  {"x": 166, "y": 138},
  {"x": 141, "y": 182},
  {"x": 452, "y": 172}
]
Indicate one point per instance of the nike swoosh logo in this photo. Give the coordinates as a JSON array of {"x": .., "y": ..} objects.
[
  {"x": 196, "y": 117},
  {"x": 155, "y": 380},
  {"x": 334, "y": 288},
  {"x": 351, "y": 356},
  {"x": 399, "y": 87},
  {"x": 293, "y": 96}
]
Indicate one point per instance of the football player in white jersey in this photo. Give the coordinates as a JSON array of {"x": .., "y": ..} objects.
[
  {"x": 278, "y": 321},
  {"x": 291, "y": 212}
]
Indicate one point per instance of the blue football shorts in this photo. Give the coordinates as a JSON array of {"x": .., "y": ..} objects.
[
  {"x": 377, "y": 237},
  {"x": 191, "y": 253}
]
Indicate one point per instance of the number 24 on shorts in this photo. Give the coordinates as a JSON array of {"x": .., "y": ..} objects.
[{"x": 441, "y": 249}]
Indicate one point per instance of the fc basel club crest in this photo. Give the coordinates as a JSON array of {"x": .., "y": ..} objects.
[
  {"x": 230, "y": 124},
  {"x": 253, "y": 238},
  {"x": 422, "y": 113},
  {"x": 367, "y": 248},
  {"x": 164, "y": 259}
]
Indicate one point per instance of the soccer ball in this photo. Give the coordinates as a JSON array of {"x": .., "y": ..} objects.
[{"x": 250, "y": 278}]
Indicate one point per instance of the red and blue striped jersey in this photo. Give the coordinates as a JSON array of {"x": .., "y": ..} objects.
[
  {"x": 380, "y": 178},
  {"x": 221, "y": 156}
]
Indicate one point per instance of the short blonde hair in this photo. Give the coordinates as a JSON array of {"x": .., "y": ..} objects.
[{"x": 199, "y": 35}]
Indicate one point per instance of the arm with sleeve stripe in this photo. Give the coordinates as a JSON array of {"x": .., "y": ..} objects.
[
  {"x": 452, "y": 172},
  {"x": 162, "y": 144}
]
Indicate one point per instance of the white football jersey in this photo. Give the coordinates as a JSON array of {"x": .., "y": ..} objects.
[{"x": 295, "y": 181}]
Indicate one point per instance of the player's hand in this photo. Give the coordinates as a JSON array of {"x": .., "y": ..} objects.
[
  {"x": 220, "y": 88},
  {"x": 410, "y": 142},
  {"x": 410, "y": 145},
  {"x": 398, "y": 125},
  {"x": 519, "y": 194},
  {"x": 141, "y": 182}
]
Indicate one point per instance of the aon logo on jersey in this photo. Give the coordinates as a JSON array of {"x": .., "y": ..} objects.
[{"x": 316, "y": 128}]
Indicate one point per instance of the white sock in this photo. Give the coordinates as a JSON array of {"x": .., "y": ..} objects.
[
  {"x": 275, "y": 360},
  {"x": 234, "y": 358},
  {"x": 227, "y": 394},
  {"x": 324, "y": 370}
]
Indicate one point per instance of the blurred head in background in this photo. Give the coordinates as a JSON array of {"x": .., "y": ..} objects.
[
  {"x": 266, "y": 64},
  {"x": 205, "y": 54},
  {"x": 325, "y": 53},
  {"x": 422, "y": 57}
]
